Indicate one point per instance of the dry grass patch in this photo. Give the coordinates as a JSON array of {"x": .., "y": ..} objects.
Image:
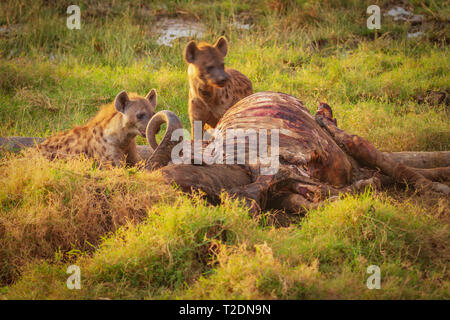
[{"x": 65, "y": 205}]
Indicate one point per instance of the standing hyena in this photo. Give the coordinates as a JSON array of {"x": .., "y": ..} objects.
[
  {"x": 213, "y": 88},
  {"x": 109, "y": 137}
]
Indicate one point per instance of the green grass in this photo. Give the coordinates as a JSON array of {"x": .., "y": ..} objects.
[
  {"x": 53, "y": 78},
  {"x": 190, "y": 250}
]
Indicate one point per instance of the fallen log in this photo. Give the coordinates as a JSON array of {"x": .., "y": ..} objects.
[
  {"x": 15, "y": 144},
  {"x": 423, "y": 160},
  {"x": 415, "y": 159}
]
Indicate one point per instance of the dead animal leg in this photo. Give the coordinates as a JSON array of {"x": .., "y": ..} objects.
[
  {"x": 211, "y": 180},
  {"x": 253, "y": 195},
  {"x": 300, "y": 196},
  {"x": 292, "y": 203},
  {"x": 321, "y": 191},
  {"x": 435, "y": 174},
  {"x": 256, "y": 194},
  {"x": 361, "y": 185},
  {"x": 365, "y": 153}
]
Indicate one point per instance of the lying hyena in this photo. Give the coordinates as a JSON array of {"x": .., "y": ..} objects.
[
  {"x": 109, "y": 137},
  {"x": 213, "y": 88}
]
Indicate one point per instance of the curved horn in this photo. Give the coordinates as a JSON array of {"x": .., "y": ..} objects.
[
  {"x": 162, "y": 153},
  {"x": 153, "y": 127}
]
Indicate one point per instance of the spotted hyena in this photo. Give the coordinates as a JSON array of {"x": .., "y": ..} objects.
[
  {"x": 109, "y": 137},
  {"x": 213, "y": 88}
]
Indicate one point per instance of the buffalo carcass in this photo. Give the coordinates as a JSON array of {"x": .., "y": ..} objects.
[
  {"x": 313, "y": 158},
  {"x": 316, "y": 159}
]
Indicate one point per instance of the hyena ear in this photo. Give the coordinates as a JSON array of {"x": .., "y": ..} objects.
[
  {"x": 190, "y": 51},
  {"x": 151, "y": 96},
  {"x": 222, "y": 45},
  {"x": 121, "y": 100}
]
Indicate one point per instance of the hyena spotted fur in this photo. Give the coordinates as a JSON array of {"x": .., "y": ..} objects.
[
  {"x": 109, "y": 137},
  {"x": 213, "y": 88}
]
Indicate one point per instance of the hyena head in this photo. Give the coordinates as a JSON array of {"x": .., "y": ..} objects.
[
  {"x": 208, "y": 61},
  {"x": 137, "y": 111}
]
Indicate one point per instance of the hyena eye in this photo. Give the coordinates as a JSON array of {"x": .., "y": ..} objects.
[{"x": 140, "y": 116}]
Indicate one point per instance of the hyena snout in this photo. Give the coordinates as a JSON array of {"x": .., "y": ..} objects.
[
  {"x": 221, "y": 79},
  {"x": 142, "y": 122}
]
